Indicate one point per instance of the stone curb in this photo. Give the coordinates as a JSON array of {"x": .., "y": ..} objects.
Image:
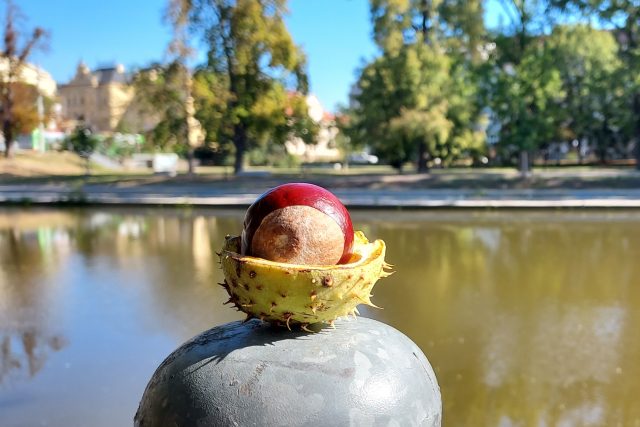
[{"x": 353, "y": 199}]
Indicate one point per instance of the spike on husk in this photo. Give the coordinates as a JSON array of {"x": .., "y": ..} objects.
[{"x": 301, "y": 295}]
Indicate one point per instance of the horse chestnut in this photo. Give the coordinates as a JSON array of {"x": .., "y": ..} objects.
[{"x": 298, "y": 223}]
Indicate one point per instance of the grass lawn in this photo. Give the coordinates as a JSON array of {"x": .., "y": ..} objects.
[{"x": 67, "y": 168}]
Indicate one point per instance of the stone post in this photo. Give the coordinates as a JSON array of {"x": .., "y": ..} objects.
[{"x": 362, "y": 373}]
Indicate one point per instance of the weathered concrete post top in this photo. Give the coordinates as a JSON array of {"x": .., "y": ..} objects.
[{"x": 362, "y": 373}]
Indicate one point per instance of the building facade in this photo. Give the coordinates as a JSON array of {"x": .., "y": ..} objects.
[
  {"x": 325, "y": 148},
  {"x": 98, "y": 97},
  {"x": 31, "y": 75}
]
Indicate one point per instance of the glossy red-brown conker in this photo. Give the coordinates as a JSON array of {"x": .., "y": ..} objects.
[{"x": 298, "y": 194}]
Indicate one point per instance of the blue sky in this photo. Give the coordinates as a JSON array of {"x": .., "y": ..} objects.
[{"x": 335, "y": 35}]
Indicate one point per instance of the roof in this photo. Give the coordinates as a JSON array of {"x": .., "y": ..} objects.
[
  {"x": 98, "y": 77},
  {"x": 109, "y": 75},
  {"x": 328, "y": 116}
]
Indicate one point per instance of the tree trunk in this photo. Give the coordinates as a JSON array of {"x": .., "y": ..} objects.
[
  {"x": 7, "y": 132},
  {"x": 426, "y": 21},
  {"x": 423, "y": 156},
  {"x": 601, "y": 149},
  {"x": 191, "y": 165},
  {"x": 14, "y": 60},
  {"x": 579, "y": 148},
  {"x": 523, "y": 164},
  {"x": 7, "y": 122},
  {"x": 240, "y": 142}
]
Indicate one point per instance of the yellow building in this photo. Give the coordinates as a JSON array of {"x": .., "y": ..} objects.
[
  {"x": 325, "y": 149},
  {"x": 31, "y": 75},
  {"x": 98, "y": 97}
]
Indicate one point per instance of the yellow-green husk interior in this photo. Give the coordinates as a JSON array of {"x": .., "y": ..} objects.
[{"x": 287, "y": 294}]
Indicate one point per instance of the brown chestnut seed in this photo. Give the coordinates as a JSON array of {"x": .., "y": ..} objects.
[
  {"x": 298, "y": 194},
  {"x": 298, "y": 235}
]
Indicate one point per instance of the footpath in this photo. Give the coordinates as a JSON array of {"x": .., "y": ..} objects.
[{"x": 233, "y": 195}]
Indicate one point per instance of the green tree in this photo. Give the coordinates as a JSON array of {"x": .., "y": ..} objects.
[
  {"x": 83, "y": 143},
  {"x": 164, "y": 93},
  {"x": 25, "y": 113},
  {"x": 397, "y": 23},
  {"x": 211, "y": 100},
  {"x": 177, "y": 16},
  {"x": 259, "y": 68},
  {"x": 393, "y": 91},
  {"x": 160, "y": 95},
  {"x": 15, "y": 57},
  {"x": 417, "y": 101},
  {"x": 521, "y": 84},
  {"x": 593, "y": 109},
  {"x": 623, "y": 19},
  {"x": 524, "y": 99},
  {"x": 527, "y": 20},
  {"x": 181, "y": 106}
]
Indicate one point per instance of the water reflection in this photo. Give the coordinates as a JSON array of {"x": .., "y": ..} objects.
[
  {"x": 26, "y": 351},
  {"x": 529, "y": 320},
  {"x": 26, "y": 337}
]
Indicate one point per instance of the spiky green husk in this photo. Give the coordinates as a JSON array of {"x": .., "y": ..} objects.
[{"x": 288, "y": 294}]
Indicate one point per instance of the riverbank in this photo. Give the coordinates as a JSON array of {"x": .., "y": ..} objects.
[
  {"x": 242, "y": 193},
  {"x": 366, "y": 187}
]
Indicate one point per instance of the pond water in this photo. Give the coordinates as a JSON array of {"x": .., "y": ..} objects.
[{"x": 529, "y": 319}]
